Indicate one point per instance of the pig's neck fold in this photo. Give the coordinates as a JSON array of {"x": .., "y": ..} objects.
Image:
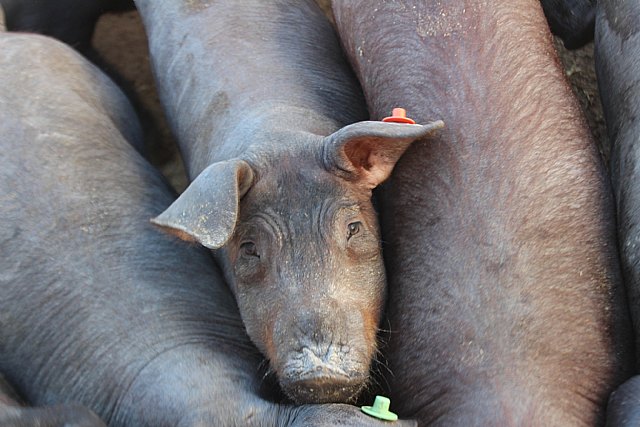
[{"x": 240, "y": 130}]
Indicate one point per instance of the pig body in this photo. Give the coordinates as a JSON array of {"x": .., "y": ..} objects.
[
  {"x": 256, "y": 93},
  {"x": 617, "y": 55},
  {"x": 505, "y": 305},
  {"x": 97, "y": 306},
  {"x": 71, "y": 21},
  {"x": 571, "y": 20}
]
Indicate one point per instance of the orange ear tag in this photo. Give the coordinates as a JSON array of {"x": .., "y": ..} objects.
[{"x": 399, "y": 115}]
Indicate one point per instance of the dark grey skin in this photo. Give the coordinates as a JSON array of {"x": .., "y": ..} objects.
[
  {"x": 617, "y": 56},
  {"x": 506, "y": 306},
  {"x": 258, "y": 95},
  {"x": 623, "y": 409},
  {"x": 97, "y": 305},
  {"x": 71, "y": 21},
  {"x": 13, "y": 414},
  {"x": 571, "y": 20}
]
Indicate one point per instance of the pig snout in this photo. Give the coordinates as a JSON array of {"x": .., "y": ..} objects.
[
  {"x": 319, "y": 366},
  {"x": 322, "y": 374}
]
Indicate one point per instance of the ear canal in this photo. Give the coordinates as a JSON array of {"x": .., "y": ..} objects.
[
  {"x": 207, "y": 210},
  {"x": 368, "y": 151}
]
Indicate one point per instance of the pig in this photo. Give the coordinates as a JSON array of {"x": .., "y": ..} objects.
[
  {"x": 506, "y": 305},
  {"x": 98, "y": 306},
  {"x": 617, "y": 57},
  {"x": 264, "y": 108},
  {"x": 71, "y": 21},
  {"x": 571, "y": 20}
]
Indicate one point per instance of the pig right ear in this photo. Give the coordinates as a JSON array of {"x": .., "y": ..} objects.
[
  {"x": 207, "y": 210},
  {"x": 366, "y": 152}
]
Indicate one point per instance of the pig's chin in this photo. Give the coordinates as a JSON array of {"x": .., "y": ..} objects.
[{"x": 329, "y": 378}]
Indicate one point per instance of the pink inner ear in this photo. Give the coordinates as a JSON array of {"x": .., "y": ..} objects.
[
  {"x": 373, "y": 165},
  {"x": 376, "y": 176},
  {"x": 359, "y": 153}
]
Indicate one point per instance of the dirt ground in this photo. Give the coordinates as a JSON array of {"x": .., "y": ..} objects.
[{"x": 121, "y": 42}]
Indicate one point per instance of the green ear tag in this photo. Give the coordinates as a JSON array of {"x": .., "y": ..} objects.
[{"x": 380, "y": 409}]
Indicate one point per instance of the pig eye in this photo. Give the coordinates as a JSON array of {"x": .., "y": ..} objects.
[
  {"x": 249, "y": 249},
  {"x": 354, "y": 228}
]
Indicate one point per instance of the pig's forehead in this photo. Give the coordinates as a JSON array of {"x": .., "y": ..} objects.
[
  {"x": 291, "y": 219},
  {"x": 295, "y": 201},
  {"x": 298, "y": 186},
  {"x": 296, "y": 175}
]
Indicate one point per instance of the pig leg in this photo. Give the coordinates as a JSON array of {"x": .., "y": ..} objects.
[
  {"x": 623, "y": 409},
  {"x": 12, "y": 414}
]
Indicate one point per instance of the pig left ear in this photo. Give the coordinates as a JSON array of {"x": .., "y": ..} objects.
[
  {"x": 207, "y": 210},
  {"x": 368, "y": 151}
]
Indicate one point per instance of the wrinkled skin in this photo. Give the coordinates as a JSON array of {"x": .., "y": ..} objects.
[
  {"x": 97, "y": 306},
  {"x": 506, "y": 305},
  {"x": 571, "y": 20},
  {"x": 71, "y": 21},
  {"x": 617, "y": 55},
  {"x": 257, "y": 93}
]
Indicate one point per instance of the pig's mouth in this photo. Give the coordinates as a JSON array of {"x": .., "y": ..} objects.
[
  {"x": 307, "y": 378},
  {"x": 324, "y": 389}
]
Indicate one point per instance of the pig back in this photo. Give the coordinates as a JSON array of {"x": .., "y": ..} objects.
[{"x": 506, "y": 304}]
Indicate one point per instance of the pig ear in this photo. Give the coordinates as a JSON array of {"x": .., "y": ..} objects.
[
  {"x": 368, "y": 151},
  {"x": 207, "y": 210}
]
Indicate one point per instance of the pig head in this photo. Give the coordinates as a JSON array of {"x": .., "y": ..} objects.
[{"x": 300, "y": 246}]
